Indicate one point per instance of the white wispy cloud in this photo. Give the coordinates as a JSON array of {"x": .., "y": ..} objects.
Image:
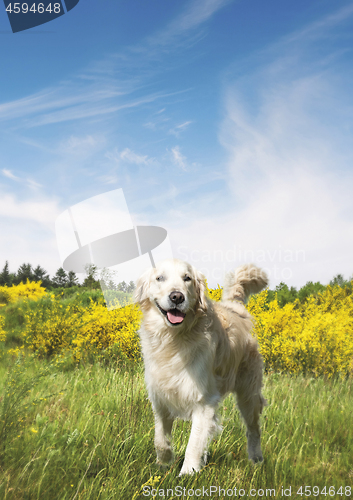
[
  {"x": 178, "y": 159},
  {"x": 158, "y": 120},
  {"x": 129, "y": 156},
  {"x": 196, "y": 13},
  {"x": 322, "y": 26},
  {"x": 75, "y": 142},
  {"x": 132, "y": 157},
  {"x": 179, "y": 128},
  {"x": 77, "y": 99},
  {"x": 184, "y": 31},
  {"x": 33, "y": 184},
  {"x": 10, "y": 175},
  {"x": 80, "y": 147},
  {"x": 30, "y": 182},
  {"x": 63, "y": 96}
]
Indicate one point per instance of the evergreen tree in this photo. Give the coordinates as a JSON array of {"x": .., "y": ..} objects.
[
  {"x": 285, "y": 294},
  {"x": 310, "y": 289},
  {"x": 40, "y": 274},
  {"x": 338, "y": 280},
  {"x": 24, "y": 272},
  {"x": 61, "y": 278},
  {"x": 72, "y": 279},
  {"x": 13, "y": 278},
  {"x": 5, "y": 276},
  {"x": 91, "y": 281}
]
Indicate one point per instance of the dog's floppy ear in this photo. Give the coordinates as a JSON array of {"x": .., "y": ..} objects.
[
  {"x": 142, "y": 286},
  {"x": 200, "y": 286}
]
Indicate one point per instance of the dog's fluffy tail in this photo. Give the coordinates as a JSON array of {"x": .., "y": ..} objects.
[{"x": 244, "y": 281}]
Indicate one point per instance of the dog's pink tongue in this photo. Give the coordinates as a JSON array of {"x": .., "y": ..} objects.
[{"x": 175, "y": 316}]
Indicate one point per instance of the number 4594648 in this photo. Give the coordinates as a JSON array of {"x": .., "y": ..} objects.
[
  {"x": 331, "y": 491},
  {"x": 22, "y": 7}
]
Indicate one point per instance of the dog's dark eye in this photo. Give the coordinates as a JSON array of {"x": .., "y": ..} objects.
[
  {"x": 187, "y": 278},
  {"x": 160, "y": 278}
]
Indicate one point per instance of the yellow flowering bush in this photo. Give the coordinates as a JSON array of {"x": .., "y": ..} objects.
[
  {"x": 103, "y": 328},
  {"x": 315, "y": 337},
  {"x": 52, "y": 328},
  {"x": 31, "y": 290}
]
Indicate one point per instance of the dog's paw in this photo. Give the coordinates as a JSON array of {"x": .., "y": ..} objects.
[
  {"x": 257, "y": 458},
  {"x": 254, "y": 448},
  {"x": 189, "y": 469},
  {"x": 164, "y": 456}
]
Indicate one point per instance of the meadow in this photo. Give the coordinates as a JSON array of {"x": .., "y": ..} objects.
[{"x": 75, "y": 421}]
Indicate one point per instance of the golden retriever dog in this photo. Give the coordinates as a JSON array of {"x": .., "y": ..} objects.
[{"x": 196, "y": 351}]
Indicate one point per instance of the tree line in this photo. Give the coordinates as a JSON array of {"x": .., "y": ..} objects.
[
  {"x": 285, "y": 294},
  {"x": 95, "y": 278}
]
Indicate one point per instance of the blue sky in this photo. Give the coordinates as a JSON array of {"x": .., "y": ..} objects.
[{"x": 229, "y": 123}]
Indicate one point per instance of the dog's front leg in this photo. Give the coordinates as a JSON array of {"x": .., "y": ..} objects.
[
  {"x": 203, "y": 427},
  {"x": 163, "y": 428}
]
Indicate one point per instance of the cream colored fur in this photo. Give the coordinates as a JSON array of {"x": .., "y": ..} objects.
[{"x": 190, "y": 366}]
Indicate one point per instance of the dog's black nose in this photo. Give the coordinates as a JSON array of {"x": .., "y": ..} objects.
[{"x": 177, "y": 297}]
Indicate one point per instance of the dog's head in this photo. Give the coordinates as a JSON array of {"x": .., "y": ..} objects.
[{"x": 174, "y": 289}]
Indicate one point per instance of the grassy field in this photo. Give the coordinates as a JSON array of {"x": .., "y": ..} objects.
[{"x": 86, "y": 432}]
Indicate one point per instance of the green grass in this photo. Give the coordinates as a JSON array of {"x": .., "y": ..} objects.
[{"x": 87, "y": 433}]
